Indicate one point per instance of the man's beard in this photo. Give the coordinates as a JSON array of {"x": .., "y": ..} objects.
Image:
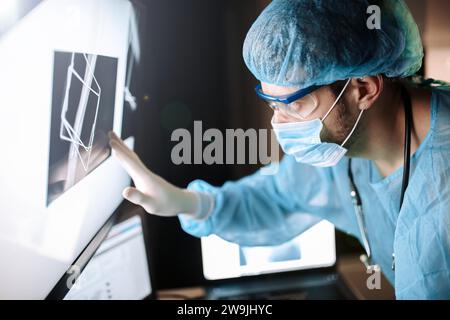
[{"x": 344, "y": 122}]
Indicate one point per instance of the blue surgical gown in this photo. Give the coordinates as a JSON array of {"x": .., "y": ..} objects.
[{"x": 268, "y": 210}]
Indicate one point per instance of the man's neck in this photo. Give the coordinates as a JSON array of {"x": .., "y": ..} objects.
[{"x": 386, "y": 132}]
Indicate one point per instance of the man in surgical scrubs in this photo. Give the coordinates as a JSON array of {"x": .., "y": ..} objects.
[{"x": 340, "y": 98}]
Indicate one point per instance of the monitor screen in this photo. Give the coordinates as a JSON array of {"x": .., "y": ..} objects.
[
  {"x": 66, "y": 77},
  {"x": 119, "y": 268},
  {"x": 314, "y": 248}
]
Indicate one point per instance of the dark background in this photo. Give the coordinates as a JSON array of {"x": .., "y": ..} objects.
[{"x": 192, "y": 69}]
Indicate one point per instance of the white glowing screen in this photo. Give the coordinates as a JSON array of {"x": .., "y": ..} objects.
[{"x": 63, "y": 77}]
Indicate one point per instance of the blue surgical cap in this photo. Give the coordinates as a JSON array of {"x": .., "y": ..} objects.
[{"x": 299, "y": 43}]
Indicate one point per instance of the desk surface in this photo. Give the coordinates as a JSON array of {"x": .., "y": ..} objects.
[{"x": 351, "y": 270}]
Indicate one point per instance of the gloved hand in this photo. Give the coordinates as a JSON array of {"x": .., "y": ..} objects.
[{"x": 153, "y": 193}]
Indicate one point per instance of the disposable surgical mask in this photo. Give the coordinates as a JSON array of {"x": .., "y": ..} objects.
[{"x": 302, "y": 140}]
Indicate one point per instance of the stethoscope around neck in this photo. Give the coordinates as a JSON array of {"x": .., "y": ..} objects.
[{"x": 366, "y": 259}]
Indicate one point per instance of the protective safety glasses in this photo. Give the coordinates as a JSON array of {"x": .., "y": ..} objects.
[{"x": 299, "y": 104}]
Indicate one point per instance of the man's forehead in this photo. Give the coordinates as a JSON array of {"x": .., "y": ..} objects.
[{"x": 274, "y": 90}]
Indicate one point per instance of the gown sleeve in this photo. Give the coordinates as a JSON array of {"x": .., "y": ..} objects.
[{"x": 266, "y": 209}]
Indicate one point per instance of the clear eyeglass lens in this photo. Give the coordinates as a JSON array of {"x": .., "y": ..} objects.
[
  {"x": 274, "y": 105},
  {"x": 299, "y": 109},
  {"x": 304, "y": 107}
]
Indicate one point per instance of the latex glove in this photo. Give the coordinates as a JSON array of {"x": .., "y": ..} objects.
[{"x": 153, "y": 193}]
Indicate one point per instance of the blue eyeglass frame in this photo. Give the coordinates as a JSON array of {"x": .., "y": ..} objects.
[{"x": 286, "y": 99}]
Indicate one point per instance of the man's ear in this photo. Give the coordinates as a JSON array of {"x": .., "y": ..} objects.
[{"x": 366, "y": 91}]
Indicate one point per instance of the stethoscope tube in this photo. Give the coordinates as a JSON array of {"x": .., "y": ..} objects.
[
  {"x": 355, "y": 196},
  {"x": 407, "y": 144}
]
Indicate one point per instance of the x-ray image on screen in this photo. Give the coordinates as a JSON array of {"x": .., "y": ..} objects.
[
  {"x": 132, "y": 88},
  {"x": 129, "y": 97},
  {"x": 84, "y": 89}
]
